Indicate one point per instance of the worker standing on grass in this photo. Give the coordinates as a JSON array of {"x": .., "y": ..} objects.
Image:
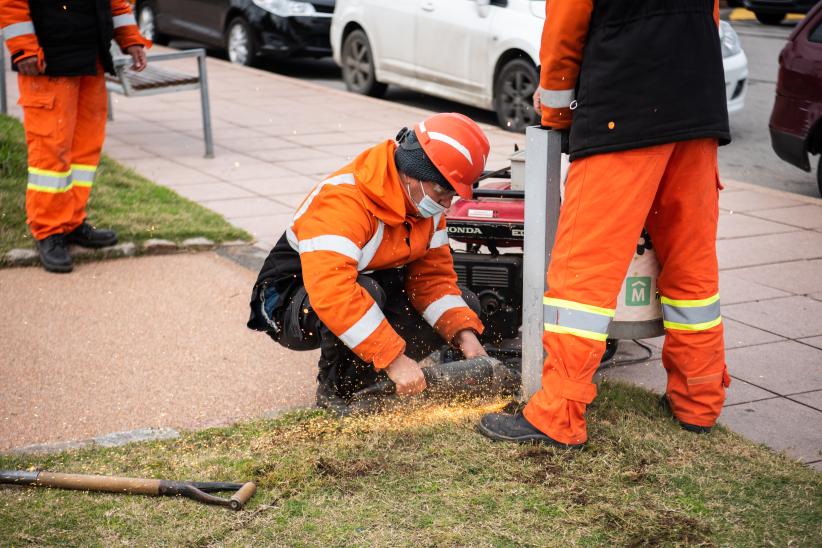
[
  {"x": 60, "y": 49},
  {"x": 364, "y": 272},
  {"x": 642, "y": 89}
]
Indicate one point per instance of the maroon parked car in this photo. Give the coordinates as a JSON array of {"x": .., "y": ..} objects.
[{"x": 796, "y": 120}]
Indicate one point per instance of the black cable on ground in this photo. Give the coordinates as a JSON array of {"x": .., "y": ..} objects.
[{"x": 619, "y": 363}]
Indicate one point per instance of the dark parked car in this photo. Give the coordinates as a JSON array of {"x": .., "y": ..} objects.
[
  {"x": 245, "y": 28},
  {"x": 796, "y": 120},
  {"x": 772, "y": 12}
]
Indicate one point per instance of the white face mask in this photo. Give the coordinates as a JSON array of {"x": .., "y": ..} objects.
[{"x": 428, "y": 207}]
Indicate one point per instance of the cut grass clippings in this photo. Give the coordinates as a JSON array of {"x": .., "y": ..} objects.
[
  {"x": 121, "y": 199},
  {"x": 423, "y": 477}
]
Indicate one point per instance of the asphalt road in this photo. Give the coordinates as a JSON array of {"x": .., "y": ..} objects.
[{"x": 748, "y": 158}]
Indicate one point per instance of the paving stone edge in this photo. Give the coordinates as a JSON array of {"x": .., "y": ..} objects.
[
  {"x": 20, "y": 257},
  {"x": 113, "y": 439}
]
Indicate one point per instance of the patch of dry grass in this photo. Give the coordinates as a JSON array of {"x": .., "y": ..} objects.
[{"x": 422, "y": 476}]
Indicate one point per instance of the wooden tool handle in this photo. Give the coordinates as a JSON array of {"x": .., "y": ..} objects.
[
  {"x": 242, "y": 496},
  {"x": 108, "y": 484}
]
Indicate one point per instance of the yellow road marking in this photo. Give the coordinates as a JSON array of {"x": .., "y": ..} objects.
[{"x": 744, "y": 14}]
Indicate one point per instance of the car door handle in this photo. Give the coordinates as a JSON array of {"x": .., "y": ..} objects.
[{"x": 428, "y": 6}]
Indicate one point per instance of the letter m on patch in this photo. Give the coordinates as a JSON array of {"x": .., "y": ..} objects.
[{"x": 638, "y": 291}]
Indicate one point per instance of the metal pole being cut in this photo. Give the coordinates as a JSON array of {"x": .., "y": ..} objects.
[
  {"x": 542, "y": 201},
  {"x": 3, "y": 106}
]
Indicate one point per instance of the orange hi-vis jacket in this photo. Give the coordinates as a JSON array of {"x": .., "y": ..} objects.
[
  {"x": 358, "y": 220},
  {"x": 21, "y": 28},
  {"x": 615, "y": 91},
  {"x": 563, "y": 38}
]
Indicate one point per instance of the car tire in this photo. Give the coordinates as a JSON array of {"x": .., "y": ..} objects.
[
  {"x": 147, "y": 23},
  {"x": 239, "y": 43},
  {"x": 513, "y": 95},
  {"x": 819, "y": 174},
  {"x": 769, "y": 18},
  {"x": 358, "y": 70}
]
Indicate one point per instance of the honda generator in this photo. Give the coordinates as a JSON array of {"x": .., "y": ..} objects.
[{"x": 489, "y": 232}]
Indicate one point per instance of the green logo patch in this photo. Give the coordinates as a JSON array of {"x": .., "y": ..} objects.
[{"x": 638, "y": 291}]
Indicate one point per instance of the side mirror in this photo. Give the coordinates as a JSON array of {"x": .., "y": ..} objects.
[{"x": 483, "y": 7}]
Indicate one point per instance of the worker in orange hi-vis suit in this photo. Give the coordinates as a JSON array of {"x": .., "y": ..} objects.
[
  {"x": 642, "y": 89},
  {"x": 60, "y": 50},
  {"x": 364, "y": 272}
]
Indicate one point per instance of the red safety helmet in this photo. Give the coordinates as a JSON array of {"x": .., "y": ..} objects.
[{"x": 457, "y": 146}]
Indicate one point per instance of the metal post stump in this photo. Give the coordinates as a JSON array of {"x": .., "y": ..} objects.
[
  {"x": 3, "y": 106},
  {"x": 542, "y": 202}
]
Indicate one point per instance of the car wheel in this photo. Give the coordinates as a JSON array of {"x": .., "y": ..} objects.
[
  {"x": 239, "y": 43},
  {"x": 819, "y": 174},
  {"x": 513, "y": 95},
  {"x": 358, "y": 66},
  {"x": 769, "y": 18},
  {"x": 147, "y": 23}
]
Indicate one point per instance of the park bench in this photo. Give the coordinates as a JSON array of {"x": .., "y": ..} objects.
[{"x": 153, "y": 80}]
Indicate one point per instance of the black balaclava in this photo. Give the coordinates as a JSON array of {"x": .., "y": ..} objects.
[{"x": 412, "y": 160}]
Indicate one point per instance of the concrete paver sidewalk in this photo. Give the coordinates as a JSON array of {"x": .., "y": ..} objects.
[{"x": 277, "y": 137}]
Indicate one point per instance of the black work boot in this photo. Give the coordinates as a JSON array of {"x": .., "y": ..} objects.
[
  {"x": 86, "y": 235},
  {"x": 54, "y": 254},
  {"x": 516, "y": 428},
  {"x": 665, "y": 404}
]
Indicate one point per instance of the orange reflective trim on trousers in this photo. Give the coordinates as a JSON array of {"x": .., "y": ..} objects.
[
  {"x": 83, "y": 175},
  {"x": 607, "y": 198}
]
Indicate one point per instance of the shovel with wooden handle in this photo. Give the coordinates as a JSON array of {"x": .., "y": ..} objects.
[{"x": 198, "y": 491}]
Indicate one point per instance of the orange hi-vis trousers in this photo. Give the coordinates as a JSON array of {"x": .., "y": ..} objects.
[
  {"x": 65, "y": 122},
  {"x": 673, "y": 191}
]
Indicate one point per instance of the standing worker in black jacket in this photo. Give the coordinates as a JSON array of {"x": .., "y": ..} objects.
[
  {"x": 642, "y": 89},
  {"x": 60, "y": 49}
]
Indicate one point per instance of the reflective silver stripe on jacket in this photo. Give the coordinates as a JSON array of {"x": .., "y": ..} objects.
[
  {"x": 435, "y": 310},
  {"x": 363, "y": 328},
  {"x": 331, "y": 242},
  {"x": 369, "y": 250},
  {"x": 124, "y": 20},
  {"x": 18, "y": 29},
  {"x": 344, "y": 179},
  {"x": 575, "y": 319},
  {"x": 556, "y": 98}
]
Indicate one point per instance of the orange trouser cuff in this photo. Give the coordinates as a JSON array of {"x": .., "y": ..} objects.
[{"x": 582, "y": 392}]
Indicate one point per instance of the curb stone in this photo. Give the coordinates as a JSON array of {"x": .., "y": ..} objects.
[
  {"x": 113, "y": 439},
  {"x": 22, "y": 257},
  {"x": 156, "y": 246},
  {"x": 29, "y": 257},
  {"x": 197, "y": 244}
]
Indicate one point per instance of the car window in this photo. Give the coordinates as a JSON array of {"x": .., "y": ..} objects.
[{"x": 816, "y": 34}]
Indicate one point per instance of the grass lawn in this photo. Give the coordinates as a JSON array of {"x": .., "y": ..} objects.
[
  {"x": 121, "y": 199},
  {"x": 424, "y": 477}
]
